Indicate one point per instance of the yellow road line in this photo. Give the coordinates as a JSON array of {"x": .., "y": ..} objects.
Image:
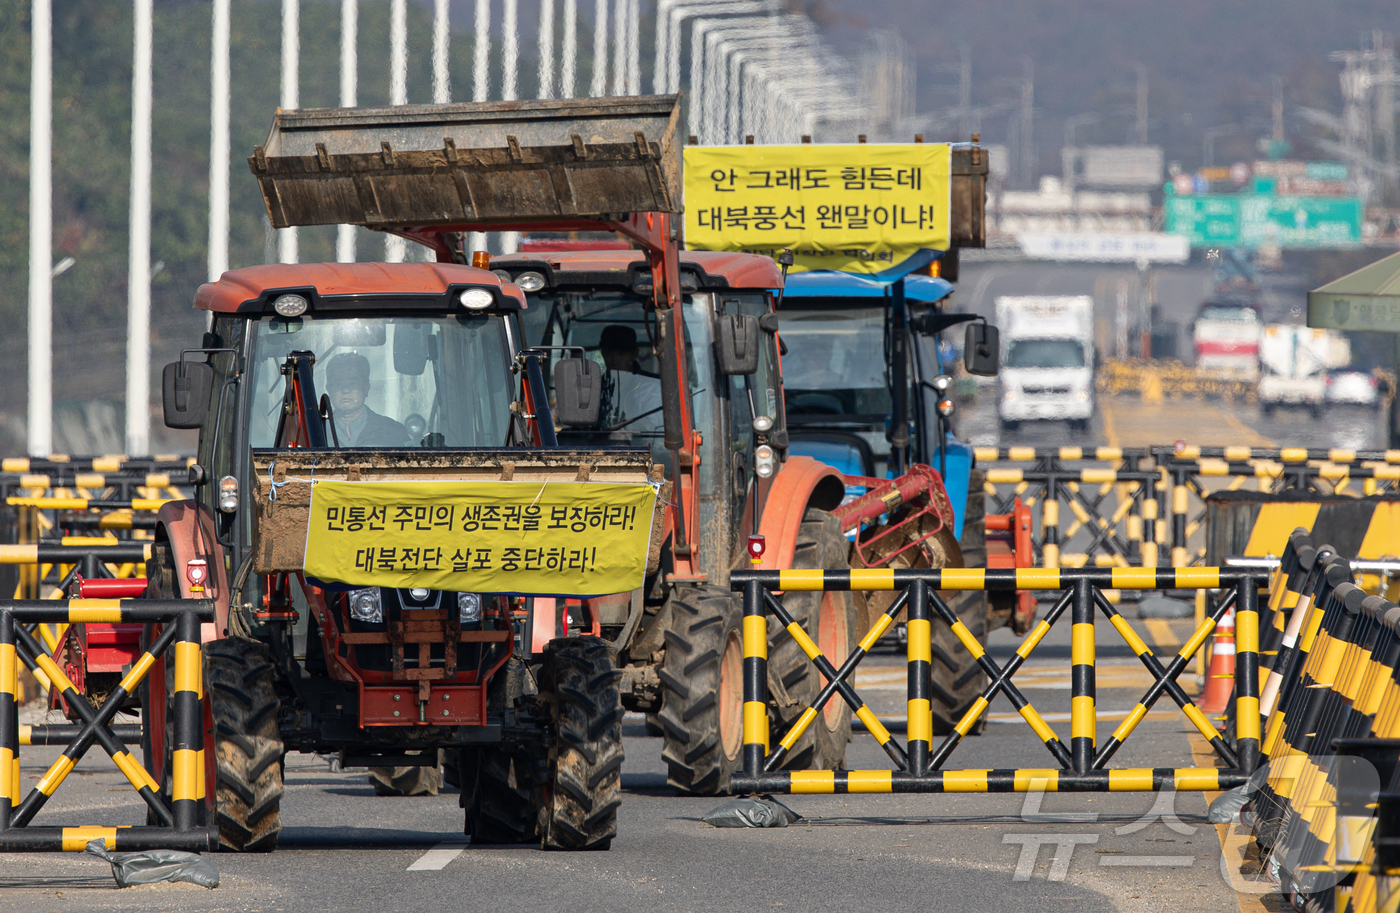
[
  {"x": 1110, "y": 428},
  {"x": 1161, "y": 633},
  {"x": 1241, "y": 426},
  {"x": 1232, "y": 845}
]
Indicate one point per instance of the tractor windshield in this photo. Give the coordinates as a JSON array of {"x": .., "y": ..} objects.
[
  {"x": 835, "y": 362},
  {"x": 429, "y": 380}
]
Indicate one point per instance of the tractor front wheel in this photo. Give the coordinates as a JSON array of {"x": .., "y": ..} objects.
[
  {"x": 501, "y": 799},
  {"x": 580, "y": 812},
  {"x": 247, "y": 745},
  {"x": 702, "y": 678}
]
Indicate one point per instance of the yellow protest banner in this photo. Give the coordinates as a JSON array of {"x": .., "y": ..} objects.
[
  {"x": 861, "y": 209},
  {"x": 527, "y": 538}
]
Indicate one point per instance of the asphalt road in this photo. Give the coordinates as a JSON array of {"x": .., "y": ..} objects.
[{"x": 345, "y": 849}]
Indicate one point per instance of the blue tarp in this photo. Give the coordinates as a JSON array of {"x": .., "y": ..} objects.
[{"x": 832, "y": 284}]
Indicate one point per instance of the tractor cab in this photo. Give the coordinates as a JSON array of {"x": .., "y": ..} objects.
[{"x": 599, "y": 304}]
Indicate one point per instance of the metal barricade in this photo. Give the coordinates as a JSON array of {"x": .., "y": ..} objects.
[
  {"x": 180, "y": 826},
  {"x": 1081, "y": 763}
]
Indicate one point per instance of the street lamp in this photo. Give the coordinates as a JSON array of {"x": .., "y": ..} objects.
[{"x": 1208, "y": 142}]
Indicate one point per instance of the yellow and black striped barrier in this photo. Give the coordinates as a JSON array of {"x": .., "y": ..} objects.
[
  {"x": 1331, "y": 738},
  {"x": 1145, "y": 506},
  {"x": 109, "y": 551},
  {"x": 179, "y": 827},
  {"x": 919, "y": 765},
  {"x": 59, "y": 463},
  {"x": 42, "y": 503}
]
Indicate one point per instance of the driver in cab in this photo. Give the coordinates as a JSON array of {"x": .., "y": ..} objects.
[{"x": 347, "y": 382}]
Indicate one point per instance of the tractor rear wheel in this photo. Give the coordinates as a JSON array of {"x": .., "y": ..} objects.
[
  {"x": 500, "y": 796},
  {"x": 406, "y": 781},
  {"x": 247, "y": 745},
  {"x": 957, "y": 679},
  {"x": 829, "y": 618},
  {"x": 702, "y": 675},
  {"x": 586, "y": 769}
]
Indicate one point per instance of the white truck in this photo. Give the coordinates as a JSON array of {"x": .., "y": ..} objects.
[
  {"x": 1226, "y": 335},
  {"x": 1047, "y": 359},
  {"x": 1293, "y": 363}
]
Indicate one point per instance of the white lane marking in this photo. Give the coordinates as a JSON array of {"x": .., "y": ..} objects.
[{"x": 438, "y": 857}]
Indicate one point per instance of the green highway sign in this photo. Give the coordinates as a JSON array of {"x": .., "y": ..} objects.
[{"x": 1253, "y": 219}]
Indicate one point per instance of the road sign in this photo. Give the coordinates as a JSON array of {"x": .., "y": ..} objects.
[
  {"x": 1252, "y": 219},
  {"x": 1122, "y": 247},
  {"x": 1208, "y": 220}
]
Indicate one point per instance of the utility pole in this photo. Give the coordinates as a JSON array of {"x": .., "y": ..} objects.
[
  {"x": 41, "y": 231},
  {"x": 1385, "y": 95},
  {"x": 291, "y": 64},
  {"x": 1141, "y": 103},
  {"x": 964, "y": 92},
  {"x": 349, "y": 71},
  {"x": 138, "y": 318},
  {"x": 1027, "y": 123}
]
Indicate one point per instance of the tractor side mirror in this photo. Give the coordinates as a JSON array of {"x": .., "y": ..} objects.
[
  {"x": 982, "y": 349},
  {"x": 185, "y": 387},
  {"x": 736, "y": 344},
  {"x": 578, "y": 392},
  {"x": 411, "y": 344}
]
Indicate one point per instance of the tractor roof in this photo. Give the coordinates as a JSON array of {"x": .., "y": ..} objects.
[
  {"x": 246, "y": 289},
  {"x": 735, "y": 269}
]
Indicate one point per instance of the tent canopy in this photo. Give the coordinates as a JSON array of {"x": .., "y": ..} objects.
[{"x": 1368, "y": 299}]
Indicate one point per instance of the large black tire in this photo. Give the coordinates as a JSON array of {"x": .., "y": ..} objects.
[
  {"x": 702, "y": 683},
  {"x": 247, "y": 746},
  {"x": 406, "y": 781},
  {"x": 580, "y": 813},
  {"x": 501, "y": 799},
  {"x": 957, "y": 679},
  {"x": 830, "y": 618}
]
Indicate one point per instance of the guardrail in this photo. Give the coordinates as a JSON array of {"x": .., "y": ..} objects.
[
  {"x": 179, "y": 826},
  {"x": 918, "y": 766}
]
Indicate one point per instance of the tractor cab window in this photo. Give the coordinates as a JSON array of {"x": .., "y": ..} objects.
[
  {"x": 835, "y": 364},
  {"x": 618, "y": 333},
  {"x": 404, "y": 381}
]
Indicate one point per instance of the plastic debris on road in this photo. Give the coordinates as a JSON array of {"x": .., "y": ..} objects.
[
  {"x": 1165, "y": 607},
  {"x": 153, "y": 866},
  {"x": 757, "y": 811},
  {"x": 1232, "y": 806}
]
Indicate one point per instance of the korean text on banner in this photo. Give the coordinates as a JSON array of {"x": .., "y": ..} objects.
[
  {"x": 528, "y": 538},
  {"x": 860, "y": 209}
]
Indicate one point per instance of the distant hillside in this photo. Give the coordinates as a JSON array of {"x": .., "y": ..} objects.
[{"x": 1209, "y": 62}]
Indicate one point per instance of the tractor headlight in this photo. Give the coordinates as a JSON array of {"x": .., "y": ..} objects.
[
  {"x": 366, "y": 605},
  {"x": 228, "y": 494},
  {"x": 530, "y": 281},
  {"x": 290, "y": 305},
  {"x": 942, "y": 382},
  {"x": 476, "y": 299},
  {"x": 764, "y": 463},
  {"x": 469, "y": 608}
]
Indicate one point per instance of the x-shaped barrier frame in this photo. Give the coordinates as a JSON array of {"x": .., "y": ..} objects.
[
  {"x": 179, "y": 826},
  {"x": 919, "y": 765}
]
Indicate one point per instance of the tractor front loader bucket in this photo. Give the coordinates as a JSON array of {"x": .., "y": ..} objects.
[{"x": 502, "y": 165}]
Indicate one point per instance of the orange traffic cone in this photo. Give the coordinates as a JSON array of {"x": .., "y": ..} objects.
[{"x": 1220, "y": 678}]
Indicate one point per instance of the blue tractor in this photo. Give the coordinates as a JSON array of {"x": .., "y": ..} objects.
[{"x": 868, "y": 380}]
